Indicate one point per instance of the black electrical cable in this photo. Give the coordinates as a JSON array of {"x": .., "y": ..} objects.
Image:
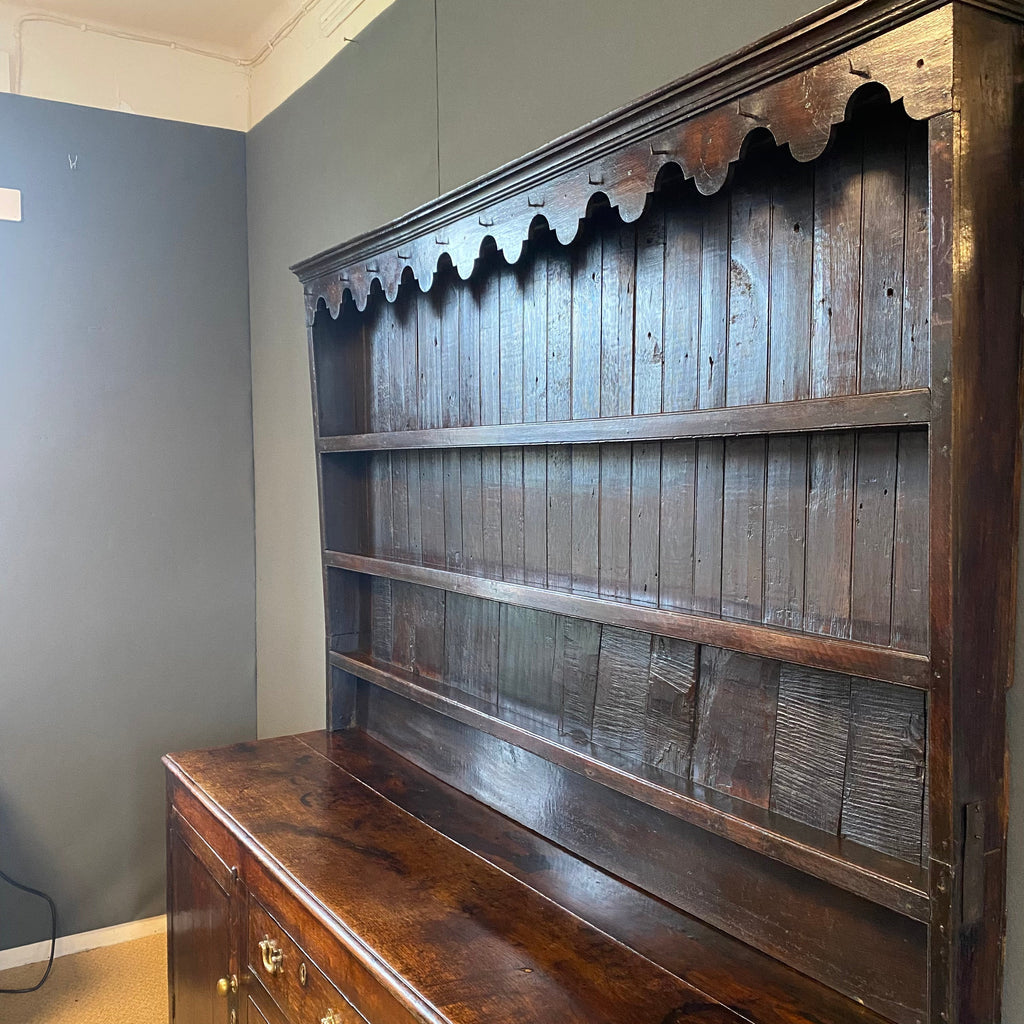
[{"x": 53, "y": 936}]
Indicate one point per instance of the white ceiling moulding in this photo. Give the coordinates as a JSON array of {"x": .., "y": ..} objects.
[
  {"x": 135, "y": 87},
  {"x": 335, "y": 14}
]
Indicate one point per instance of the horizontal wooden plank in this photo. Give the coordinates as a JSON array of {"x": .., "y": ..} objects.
[
  {"x": 832, "y": 654},
  {"x": 848, "y": 412},
  {"x": 886, "y": 881}
]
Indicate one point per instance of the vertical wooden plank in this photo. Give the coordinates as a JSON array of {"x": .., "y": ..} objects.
[
  {"x": 535, "y": 402},
  {"x": 488, "y": 311},
  {"x": 682, "y": 302},
  {"x": 645, "y": 514},
  {"x": 403, "y": 357},
  {"x": 559, "y": 335},
  {"x": 513, "y": 523},
  {"x": 428, "y": 343},
  {"x": 382, "y": 621},
  {"x": 736, "y": 703},
  {"x": 469, "y": 355},
  {"x": 910, "y": 548},
  {"x": 421, "y": 609},
  {"x": 792, "y": 262},
  {"x": 400, "y": 504},
  {"x": 535, "y": 322},
  {"x": 559, "y": 407},
  {"x": 645, "y": 490},
  {"x": 471, "y": 650},
  {"x": 829, "y": 534},
  {"x": 785, "y": 526},
  {"x": 381, "y": 337},
  {"x": 707, "y": 557},
  {"x": 527, "y": 688},
  {"x": 535, "y": 516},
  {"x": 586, "y": 482},
  {"x": 418, "y": 631},
  {"x": 453, "y": 539},
  {"x": 559, "y": 516},
  {"x": 621, "y": 702},
  {"x": 885, "y": 202},
  {"x": 381, "y": 513},
  {"x": 490, "y": 486},
  {"x": 714, "y": 300},
  {"x": 510, "y": 343},
  {"x": 614, "y": 522},
  {"x": 671, "y": 706},
  {"x": 746, "y": 365},
  {"x": 618, "y": 276},
  {"x": 835, "y": 322},
  {"x": 472, "y": 512},
  {"x": 510, "y": 346},
  {"x": 873, "y": 526},
  {"x": 916, "y": 341},
  {"x": 450, "y": 301},
  {"x": 812, "y": 729},
  {"x": 586, "y": 324},
  {"x": 678, "y": 518},
  {"x": 577, "y": 647},
  {"x": 884, "y": 790},
  {"x": 743, "y": 528},
  {"x": 431, "y": 506},
  {"x": 649, "y": 354}
]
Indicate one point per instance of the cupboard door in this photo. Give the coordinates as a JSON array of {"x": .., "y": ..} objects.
[{"x": 199, "y": 940}]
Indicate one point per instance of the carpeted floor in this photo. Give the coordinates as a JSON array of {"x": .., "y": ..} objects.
[{"x": 122, "y": 984}]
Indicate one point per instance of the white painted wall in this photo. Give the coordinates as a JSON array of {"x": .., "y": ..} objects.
[{"x": 55, "y": 59}]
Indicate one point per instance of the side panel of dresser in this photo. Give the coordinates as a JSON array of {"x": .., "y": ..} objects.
[{"x": 203, "y": 914}]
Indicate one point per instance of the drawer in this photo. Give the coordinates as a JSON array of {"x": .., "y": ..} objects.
[
  {"x": 298, "y": 986},
  {"x": 214, "y": 834}
]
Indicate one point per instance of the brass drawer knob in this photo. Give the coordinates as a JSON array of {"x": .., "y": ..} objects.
[
  {"x": 331, "y": 1018},
  {"x": 303, "y": 974},
  {"x": 272, "y": 955},
  {"x": 226, "y": 985}
]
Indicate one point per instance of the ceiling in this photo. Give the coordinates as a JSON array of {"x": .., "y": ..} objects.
[{"x": 222, "y": 25}]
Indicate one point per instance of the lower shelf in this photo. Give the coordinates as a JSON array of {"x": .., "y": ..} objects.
[{"x": 884, "y": 880}]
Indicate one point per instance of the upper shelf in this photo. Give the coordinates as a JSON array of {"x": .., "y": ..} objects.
[
  {"x": 885, "y": 409},
  {"x": 796, "y": 85}
]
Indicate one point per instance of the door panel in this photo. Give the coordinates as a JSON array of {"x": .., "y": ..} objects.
[{"x": 199, "y": 930}]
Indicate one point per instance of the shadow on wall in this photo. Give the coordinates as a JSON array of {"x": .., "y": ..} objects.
[{"x": 24, "y": 918}]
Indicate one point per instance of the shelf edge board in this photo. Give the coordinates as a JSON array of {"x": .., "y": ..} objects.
[
  {"x": 849, "y": 412},
  {"x": 830, "y": 654}
]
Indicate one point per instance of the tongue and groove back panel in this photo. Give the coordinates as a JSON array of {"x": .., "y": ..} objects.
[{"x": 628, "y": 532}]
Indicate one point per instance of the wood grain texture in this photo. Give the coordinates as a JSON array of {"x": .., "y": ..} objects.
[
  {"x": 738, "y": 696},
  {"x": 812, "y": 731},
  {"x": 884, "y": 788}
]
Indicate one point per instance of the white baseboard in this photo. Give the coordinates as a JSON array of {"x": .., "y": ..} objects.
[{"x": 40, "y": 951}]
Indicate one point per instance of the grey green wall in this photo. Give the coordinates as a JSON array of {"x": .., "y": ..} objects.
[
  {"x": 359, "y": 145},
  {"x": 127, "y": 590}
]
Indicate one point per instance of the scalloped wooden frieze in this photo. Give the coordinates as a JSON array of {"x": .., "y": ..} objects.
[{"x": 912, "y": 62}]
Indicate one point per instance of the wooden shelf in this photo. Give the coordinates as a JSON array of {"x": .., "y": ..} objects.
[
  {"x": 883, "y": 880},
  {"x": 852, "y": 412},
  {"x": 828, "y": 653}
]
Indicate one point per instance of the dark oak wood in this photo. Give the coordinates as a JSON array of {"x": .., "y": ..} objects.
[
  {"x": 669, "y": 482},
  {"x": 885, "y": 409},
  {"x": 830, "y": 654},
  {"x": 447, "y": 929},
  {"x": 889, "y": 882}
]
